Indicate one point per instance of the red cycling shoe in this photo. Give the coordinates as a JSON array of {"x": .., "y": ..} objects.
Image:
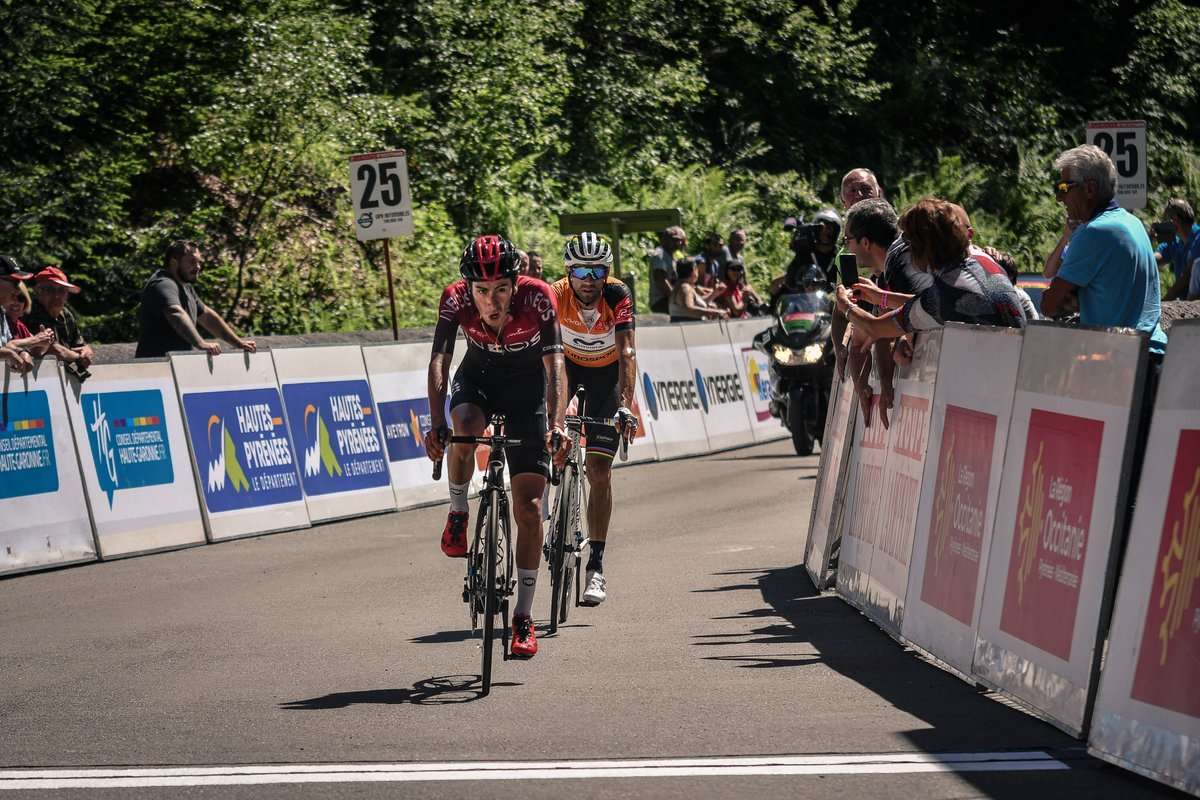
[
  {"x": 524, "y": 643},
  {"x": 454, "y": 536}
]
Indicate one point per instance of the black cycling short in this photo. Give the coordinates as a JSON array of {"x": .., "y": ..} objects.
[
  {"x": 521, "y": 398},
  {"x": 601, "y": 400}
]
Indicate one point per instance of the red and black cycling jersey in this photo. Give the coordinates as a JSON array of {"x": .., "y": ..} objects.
[{"x": 530, "y": 333}]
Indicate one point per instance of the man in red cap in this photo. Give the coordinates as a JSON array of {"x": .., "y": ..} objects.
[
  {"x": 15, "y": 357},
  {"x": 50, "y": 312}
]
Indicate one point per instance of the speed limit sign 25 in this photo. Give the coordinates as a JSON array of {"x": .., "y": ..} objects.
[
  {"x": 382, "y": 203},
  {"x": 1125, "y": 143}
]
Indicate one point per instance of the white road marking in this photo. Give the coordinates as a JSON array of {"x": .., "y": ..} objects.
[{"x": 246, "y": 775}]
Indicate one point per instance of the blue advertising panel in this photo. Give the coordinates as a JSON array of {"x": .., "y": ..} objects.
[
  {"x": 333, "y": 425},
  {"x": 27, "y": 463},
  {"x": 404, "y": 425},
  {"x": 243, "y": 455},
  {"x": 128, "y": 439}
]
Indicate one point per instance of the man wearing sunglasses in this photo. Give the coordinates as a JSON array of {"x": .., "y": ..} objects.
[
  {"x": 1104, "y": 254},
  {"x": 596, "y": 315}
]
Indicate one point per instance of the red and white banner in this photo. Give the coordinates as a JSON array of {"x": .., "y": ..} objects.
[
  {"x": 961, "y": 483},
  {"x": 1147, "y": 713},
  {"x": 829, "y": 495},
  {"x": 901, "y": 488},
  {"x": 1060, "y": 504}
]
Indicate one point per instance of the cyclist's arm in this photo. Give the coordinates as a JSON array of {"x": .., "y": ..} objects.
[
  {"x": 627, "y": 371},
  {"x": 438, "y": 381},
  {"x": 556, "y": 388}
]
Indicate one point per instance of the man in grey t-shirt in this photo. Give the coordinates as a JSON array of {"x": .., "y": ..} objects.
[{"x": 171, "y": 310}]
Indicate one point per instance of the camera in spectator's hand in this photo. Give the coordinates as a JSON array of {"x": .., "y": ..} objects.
[{"x": 805, "y": 235}]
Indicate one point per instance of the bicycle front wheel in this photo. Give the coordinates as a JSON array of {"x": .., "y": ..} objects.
[
  {"x": 491, "y": 594},
  {"x": 558, "y": 548}
]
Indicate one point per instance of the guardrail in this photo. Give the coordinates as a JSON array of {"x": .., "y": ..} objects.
[
  {"x": 986, "y": 527},
  {"x": 159, "y": 454}
]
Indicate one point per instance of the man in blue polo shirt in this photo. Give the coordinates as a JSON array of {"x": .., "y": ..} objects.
[{"x": 1104, "y": 254}]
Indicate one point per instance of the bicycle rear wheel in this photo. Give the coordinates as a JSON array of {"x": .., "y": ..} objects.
[{"x": 491, "y": 595}]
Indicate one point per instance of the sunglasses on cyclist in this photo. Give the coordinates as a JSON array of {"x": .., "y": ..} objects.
[{"x": 595, "y": 273}]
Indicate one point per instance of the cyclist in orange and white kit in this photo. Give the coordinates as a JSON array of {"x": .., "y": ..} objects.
[
  {"x": 595, "y": 312},
  {"x": 514, "y": 366}
]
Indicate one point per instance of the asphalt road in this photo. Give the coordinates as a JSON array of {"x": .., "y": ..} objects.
[{"x": 348, "y": 644}]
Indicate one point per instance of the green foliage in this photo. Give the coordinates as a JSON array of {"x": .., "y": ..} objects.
[{"x": 130, "y": 123}]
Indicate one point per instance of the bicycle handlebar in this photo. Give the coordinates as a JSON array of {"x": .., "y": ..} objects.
[{"x": 489, "y": 441}]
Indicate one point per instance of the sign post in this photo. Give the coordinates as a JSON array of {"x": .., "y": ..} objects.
[
  {"x": 617, "y": 223},
  {"x": 382, "y": 206},
  {"x": 1125, "y": 143}
]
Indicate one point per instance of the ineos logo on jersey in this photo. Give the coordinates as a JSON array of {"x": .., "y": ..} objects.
[{"x": 542, "y": 304}]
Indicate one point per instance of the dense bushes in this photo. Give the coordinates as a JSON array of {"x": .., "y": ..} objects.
[{"x": 131, "y": 122}]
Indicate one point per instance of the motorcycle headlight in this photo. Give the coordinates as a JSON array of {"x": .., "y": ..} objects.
[
  {"x": 782, "y": 354},
  {"x": 811, "y": 354}
]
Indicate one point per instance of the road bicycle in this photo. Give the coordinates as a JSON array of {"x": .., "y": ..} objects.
[
  {"x": 564, "y": 545},
  {"x": 489, "y": 580}
]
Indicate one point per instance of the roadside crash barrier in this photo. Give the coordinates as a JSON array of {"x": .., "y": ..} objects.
[
  {"x": 1020, "y": 531},
  {"x": 1147, "y": 712},
  {"x": 157, "y": 455}
]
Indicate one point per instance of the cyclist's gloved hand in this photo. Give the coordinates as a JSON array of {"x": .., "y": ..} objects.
[
  {"x": 435, "y": 442},
  {"x": 558, "y": 447},
  {"x": 629, "y": 422}
]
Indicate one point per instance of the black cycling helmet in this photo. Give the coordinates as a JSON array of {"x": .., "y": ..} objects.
[{"x": 488, "y": 258}]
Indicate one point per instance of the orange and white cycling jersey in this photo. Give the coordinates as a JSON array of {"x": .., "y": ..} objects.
[{"x": 590, "y": 336}]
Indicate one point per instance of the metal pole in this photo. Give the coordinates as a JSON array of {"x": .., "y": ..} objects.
[
  {"x": 387, "y": 260},
  {"x": 616, "y": 243}
]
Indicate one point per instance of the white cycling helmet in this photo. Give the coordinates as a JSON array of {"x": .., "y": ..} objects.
[{"x": 587, "y": 250}]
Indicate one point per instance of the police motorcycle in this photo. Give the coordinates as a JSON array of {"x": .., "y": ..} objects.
[{"x": 799, "y": 343}]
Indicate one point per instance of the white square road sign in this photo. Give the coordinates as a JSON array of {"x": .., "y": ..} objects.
[
  {"x": 1125, "y": 143},
  {"x": 382, "y": 203}
]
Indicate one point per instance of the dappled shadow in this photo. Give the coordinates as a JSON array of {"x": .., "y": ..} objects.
[
  {"x": 445, "y": 637},
  {"x": 436, "y": 691},
  {"x": 761, "y": 457}
]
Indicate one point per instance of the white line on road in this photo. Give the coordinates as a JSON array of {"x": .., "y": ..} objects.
[{"x": 245, "y": 775}]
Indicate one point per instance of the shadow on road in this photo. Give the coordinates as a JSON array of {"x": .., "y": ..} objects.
[
  {"x": 954, "y": 716},
  {"x": 437, "y": 691}
]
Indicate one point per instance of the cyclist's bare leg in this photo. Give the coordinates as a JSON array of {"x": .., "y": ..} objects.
[
  {"x": 598, "y": 467},
  {"x": 527, "y": 512},
  {"x": 466, "y": 420}
]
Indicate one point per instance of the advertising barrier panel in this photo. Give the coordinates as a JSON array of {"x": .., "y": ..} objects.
[
  {"x": 719, "y": 385},
  {"x": 335, "y": 431},
  {"x": 755, "y": 370},
  {"x": 1147, "y": 713},
  {"x": 829, "y": 495},
  {"x": 672, "y": 399},
  {"x": 864, "y": 504},
  {"x": 961, "y": 483},
  {"x": 244, "y": 463},
  {"x": 43, "y": 514},
  {"x": 134, "y": 455},
  {"x": 900, "y": 490},
  {"x": 1060, "y": 507},
  {"x": 398, "y": 374}
]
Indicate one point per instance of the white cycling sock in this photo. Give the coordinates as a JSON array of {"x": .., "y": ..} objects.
[
  {"x": 458, "y": 496},
  {"x": 526, "y": 586}
]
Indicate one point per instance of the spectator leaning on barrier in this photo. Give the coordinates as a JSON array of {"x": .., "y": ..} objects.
[
  {"x": 12, "y": 353},
  {"x": 50, "y": 312},
  {"x": 1009, "y": 264},
  {"x": 37, "y": 345},
  {"x": 858, "y": 184},
  {"x": 1104, "y": 254},
  {"x": 736, "y": 296},
  {"x": 688, "y": 301},
  {"x": 1186, "y": 248},
  {"x": 171, "y": 310},
  {"x": 672, "y": 247},
  {"x": 964, "y": 289}
]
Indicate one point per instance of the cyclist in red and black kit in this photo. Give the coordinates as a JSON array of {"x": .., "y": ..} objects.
[{"x": 513, "y": 365}]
